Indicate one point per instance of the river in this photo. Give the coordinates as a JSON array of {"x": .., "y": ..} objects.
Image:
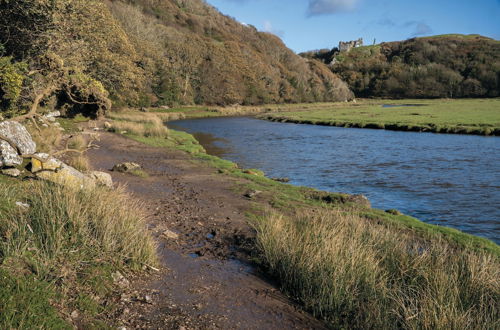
[{"x": 450, "y": 180}]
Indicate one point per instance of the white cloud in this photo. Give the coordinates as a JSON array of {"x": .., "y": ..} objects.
[{"x": 268, "y": 27}]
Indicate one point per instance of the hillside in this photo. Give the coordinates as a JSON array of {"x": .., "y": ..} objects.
[
  {"x": 451, "y": 66},
  {"x": 78, "y": 55}
]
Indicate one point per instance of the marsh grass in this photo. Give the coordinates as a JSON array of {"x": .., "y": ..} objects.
[
  {"x": 65, "y": 239},
  {"x": 77, "y": 142},
  {"x": 464, "y": 116},
  {"x": 141, "y": 124},
  {"x": 80, "y": 162},
  {"x": 47, "y": 138},
  {"x": 355, "y": 273}
]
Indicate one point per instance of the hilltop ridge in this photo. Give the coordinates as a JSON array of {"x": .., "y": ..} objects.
[
  {"x": 146, "y": 52},
  {"x": 441, "y": 66}
]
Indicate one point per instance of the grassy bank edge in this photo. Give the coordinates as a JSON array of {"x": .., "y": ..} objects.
[
  {"x": 299, "y": 113},
  {"x": 430, "y": 128}
]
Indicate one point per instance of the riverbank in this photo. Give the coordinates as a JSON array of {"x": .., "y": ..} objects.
[
  {"x": 289, "y": 220},
  {"x": 465, "y": 116},
  {"x": 213, "y": 223}
]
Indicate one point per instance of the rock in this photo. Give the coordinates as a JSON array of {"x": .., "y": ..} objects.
[
  {"x": 252, "y": 193},
  {"x": 50, "y": 163},
  {"x": 119, "y": 279},
  {"x": 74, "y": 314},
  {"x": 164, "y": 107},
  {"x": 126, "y": 167},
  {"x": 359, "y": 199},
  {"x": 143, "y": 109},
  {"x": 170, "y": 234},
  {"x": 14, "y": 172},
  {"x": 23, "y": 205},
  {"x": 67, "y": 176},
  {"x": 53, "y": 114},
  {"x": 253, "y": 172},
  {"x": 107, "y": 125},
  {"x": 393, "y": 212},
  {"x": 102, "y": 178},
  {"x": 51, "y": 119},
  {"x": 20, "y": 137},
  {"x": 281, "y": 179}
]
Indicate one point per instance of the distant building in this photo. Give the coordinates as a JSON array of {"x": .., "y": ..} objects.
[{"x": 345, "y": 46}]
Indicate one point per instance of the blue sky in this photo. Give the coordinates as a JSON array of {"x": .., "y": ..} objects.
[{"x": 314, "y": 24}]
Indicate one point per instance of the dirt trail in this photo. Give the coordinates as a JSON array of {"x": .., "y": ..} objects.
[{"x": 205, "y": 281}]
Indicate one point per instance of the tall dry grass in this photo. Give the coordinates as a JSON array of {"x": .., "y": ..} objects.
[
  {"x": 68, "y": 229},
  {"x": 356, "y": 273},
  {"x": 142, "y": 124},
  {"x": 47, "y": 139},
  {"x": 80, "y": 162}
]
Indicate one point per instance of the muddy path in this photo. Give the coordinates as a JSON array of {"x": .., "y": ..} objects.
[{"x": 206, "y": 280}]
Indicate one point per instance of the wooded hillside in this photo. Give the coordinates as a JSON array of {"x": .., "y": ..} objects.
[
  {"x": 450, "y": 66},
  {"x": 80, "y": 54}
]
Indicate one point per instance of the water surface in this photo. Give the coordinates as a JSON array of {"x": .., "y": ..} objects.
[{"x": 445, "y": 179}]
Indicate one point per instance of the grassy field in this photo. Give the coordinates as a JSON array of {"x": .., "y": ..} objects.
[{"x": 465, "y": 116}]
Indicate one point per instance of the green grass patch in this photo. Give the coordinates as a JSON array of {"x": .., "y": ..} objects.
[
  {"x": 464, "y": 116},
  {"x": 70, "y": 125},
  {"x": 62, "y": 249},
  {"x": 25, "y": 303}
]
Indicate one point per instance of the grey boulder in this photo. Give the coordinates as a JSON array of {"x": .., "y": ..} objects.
[{"x": 20, "y": 137}]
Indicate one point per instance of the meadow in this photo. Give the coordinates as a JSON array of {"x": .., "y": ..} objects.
[{"x": 464, "y": 116}]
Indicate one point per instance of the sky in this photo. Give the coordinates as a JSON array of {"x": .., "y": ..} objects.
[{"x": 315, "y": 24}]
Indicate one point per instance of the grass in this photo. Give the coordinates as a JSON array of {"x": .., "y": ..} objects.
[
  {"x": 356, "y": 273},
  {"x": 142, "y": 124},
  {"x": 465, "y": 116},
  {"x": 67, "y": 242},
  {"x": 79, "y": 162}
]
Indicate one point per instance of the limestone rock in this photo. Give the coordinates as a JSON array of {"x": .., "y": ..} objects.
[
  {"x": 51, "y": 163},
  {"x": 102, "y": 178},
  {"x": 19, "y": 135},
  {"x": 126, "y": 167},
  {"x": 67, "y": 176},
  {"x": 53, "y": 114},
  {"x": 14, "y": 172},
  {"x": 359, "y": 199},
  {"x": 23, "y": 205},
  {"x": 170, "y": 234},
  {"x": 119, "y": 279}
]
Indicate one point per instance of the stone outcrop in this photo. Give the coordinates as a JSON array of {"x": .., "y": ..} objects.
[
  {"x": 126, "y": 167},
  {"x": 13, "y": 172},
  {"x": 54, "y": 170},
  {"x": 15, "y": 141},
  {"x": 102, "y": 178}
]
